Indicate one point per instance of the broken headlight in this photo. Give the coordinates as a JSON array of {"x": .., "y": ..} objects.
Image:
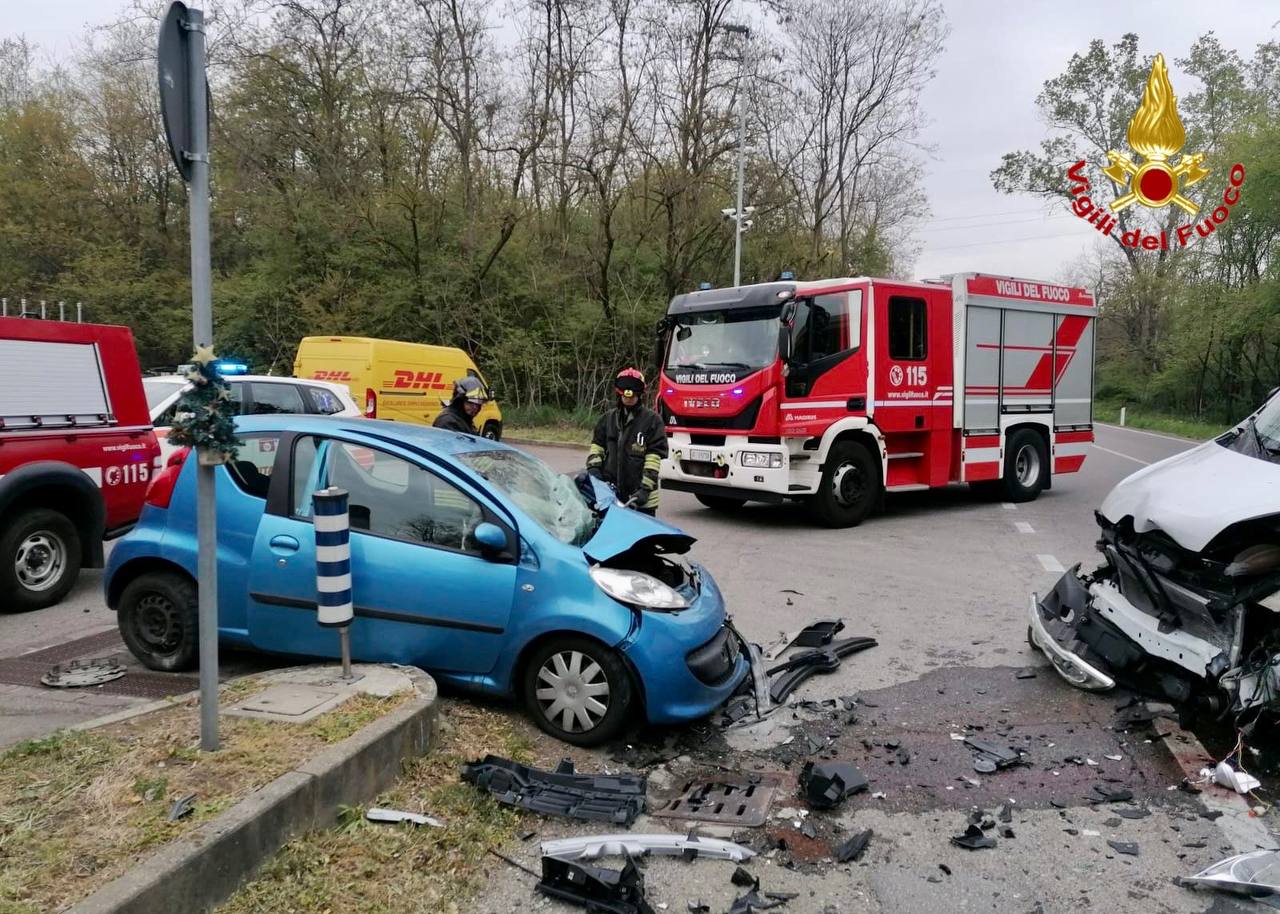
[{"x": 637, "y": 589}]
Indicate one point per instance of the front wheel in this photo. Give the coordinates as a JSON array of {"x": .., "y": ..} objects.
[
  {"x": 1026, "y": 466},
  {"x": 158, "y": 616},
  {"x": 39, "y": 559},
  {"x": 849, "y": 488},
  {"x": 722, "y": 503},
  {"x": 577, "y": 690}
]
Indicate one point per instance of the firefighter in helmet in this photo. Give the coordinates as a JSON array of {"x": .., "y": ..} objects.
[
  {"x": 629, "y": 444},
  {"x": 457, "y": 415}
]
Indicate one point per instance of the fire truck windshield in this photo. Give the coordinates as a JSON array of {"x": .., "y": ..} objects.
[{"x": 733, "y": 340}]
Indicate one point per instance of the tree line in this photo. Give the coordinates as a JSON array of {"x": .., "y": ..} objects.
[{"x": 531, "y": 181}]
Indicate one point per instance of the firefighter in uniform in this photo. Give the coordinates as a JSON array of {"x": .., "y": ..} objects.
[
  {"x": 468, "y": 398},
  {"x": 629, "y": 444}
]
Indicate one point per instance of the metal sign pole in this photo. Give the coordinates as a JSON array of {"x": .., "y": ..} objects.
[{"x": 202, "y": 336}]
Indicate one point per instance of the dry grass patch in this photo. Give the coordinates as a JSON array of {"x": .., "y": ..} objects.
[
  {"x": 77, "y": 809},
  {"x": 381, "y": 869}
]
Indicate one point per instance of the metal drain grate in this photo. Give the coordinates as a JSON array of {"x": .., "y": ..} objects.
[
  {"x": 101, "y": 643},
  {"x": 731, "y": 800}
]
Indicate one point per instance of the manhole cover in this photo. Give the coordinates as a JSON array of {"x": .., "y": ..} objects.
[
  {"x": 733, "y": 800},
  {"x": 79, "y": 673}
]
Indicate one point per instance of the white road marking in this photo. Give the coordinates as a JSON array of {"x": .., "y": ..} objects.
[
  {"x": 1008, "y": 506},
  {"x": 1145, "y": 463},
  {"x": 1138, "y": 431},
  {"x": 1049, "y": 563},
  {"x": 1024, "y": 527}
]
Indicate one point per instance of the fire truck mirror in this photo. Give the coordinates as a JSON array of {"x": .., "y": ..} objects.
[
  {"x": 784, "y": 342},
  {"x": 684, "y": 333}
]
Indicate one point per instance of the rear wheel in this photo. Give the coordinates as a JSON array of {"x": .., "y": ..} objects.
[
  {"x": 158, "y": 620},
  {"x": 1026, "y": 466},
  {"x": 577, "y": 690},
  {"x": 723, "y": 503},
  {"x": 39, "y": 559},
  {"x": 849, "y": 488}
]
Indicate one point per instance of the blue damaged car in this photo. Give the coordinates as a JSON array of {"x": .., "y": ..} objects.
[{"x": 470, "y": 559}]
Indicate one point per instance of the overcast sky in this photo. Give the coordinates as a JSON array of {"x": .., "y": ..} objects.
[{"x": 981, "y": 105}]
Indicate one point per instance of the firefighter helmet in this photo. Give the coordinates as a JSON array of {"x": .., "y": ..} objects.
[
  {"x": 469, "y": 389},
  {"x": 629, "y": 380}
]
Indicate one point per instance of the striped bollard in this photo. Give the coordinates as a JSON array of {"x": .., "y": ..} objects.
[{"x": 333, "y": 566}]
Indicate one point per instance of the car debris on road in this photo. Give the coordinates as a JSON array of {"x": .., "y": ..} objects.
[
  {"x": 394, "y": 816},
  {"x": 79, "y": 674},
  {"x": 826, "y": 784},
  {"x": 598, "y": 798},
  {"x": 690, "y": 847},
  {"x": 596, "y": 888},
  {"x": 1255, "y": 874}
]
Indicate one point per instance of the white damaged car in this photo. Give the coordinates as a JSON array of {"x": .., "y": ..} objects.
[{"x": 1186, "y": 603}]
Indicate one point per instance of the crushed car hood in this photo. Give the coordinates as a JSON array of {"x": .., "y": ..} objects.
[
  {"x": 1195, "y": 495},
  {"x": 621, "y": 530}
]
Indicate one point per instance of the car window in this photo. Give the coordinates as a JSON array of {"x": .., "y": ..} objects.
[
  {"x": 251, "y": 469},
  {"x": 158, "y": 391},
  {"x": 324, "y": 402},
  {"x": 276, "y": 398},
  {"x": 387, "y": 495},
  {"x": 907, "y": 337}
]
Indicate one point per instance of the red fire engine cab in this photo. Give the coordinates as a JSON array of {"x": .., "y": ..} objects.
[
  {"x": 835, "y": 391},
  {"x": 76, "y": 452}
]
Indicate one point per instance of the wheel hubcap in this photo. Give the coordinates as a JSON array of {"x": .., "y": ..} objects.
[
  {"x": 848, "y": 484},
  {"x": 158, "y": 625},
  {"x": 572, "y": 691},
  {"x": 1027, "y": 465},
  {"x": 40, "y": 560}
]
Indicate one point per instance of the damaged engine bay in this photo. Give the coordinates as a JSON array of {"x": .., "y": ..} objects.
[{"x": 1185, "y": 606}]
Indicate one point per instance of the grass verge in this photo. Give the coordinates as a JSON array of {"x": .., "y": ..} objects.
[
  {"x": 380, "y": 869},
  {"x": 549, "y": 423},
  {"x": 77, "y": 809},
  {"x": 1140, "y": 417}
]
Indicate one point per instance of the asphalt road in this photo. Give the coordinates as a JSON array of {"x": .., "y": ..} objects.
[{"x": 942, "y": 580}]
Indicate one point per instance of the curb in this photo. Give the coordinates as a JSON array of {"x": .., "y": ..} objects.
[
  {"x": 534, "y": 442},
  {"x": 1243, "y": 831},
  {"x": 205, "y": 866}
]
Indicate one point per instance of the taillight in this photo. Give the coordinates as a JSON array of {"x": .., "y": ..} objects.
[
  {"x": 160, "y": 492},
  {"x": 370, "y": 403}
]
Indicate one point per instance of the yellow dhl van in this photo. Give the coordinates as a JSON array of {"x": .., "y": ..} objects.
[{"x": 406, "y": 382}]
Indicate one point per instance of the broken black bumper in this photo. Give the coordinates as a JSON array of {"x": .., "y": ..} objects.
[{"x": 1053, "y": 631}]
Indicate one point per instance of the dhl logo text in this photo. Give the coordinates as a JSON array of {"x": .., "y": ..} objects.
[
  {"x": 421, "y": 380},
  {"x": 331, "y": 376}
]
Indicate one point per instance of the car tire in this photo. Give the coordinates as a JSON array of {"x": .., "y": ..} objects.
[
  {"x": 850, "y": 486},
  {"x": 721, "y": 503},
  {"x": 159, "y": 620},
  {"x": 40, "y": 554},
  {"x": 1026, "y": 466},
  {"x": 587, "y": 665},
  {"x": 492, "y": 430}
]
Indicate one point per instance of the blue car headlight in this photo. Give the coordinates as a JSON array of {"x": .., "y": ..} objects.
[{"x": 637, "y": 589}]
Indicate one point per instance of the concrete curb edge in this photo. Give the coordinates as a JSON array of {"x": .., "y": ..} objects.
[{"x": 205, "y": 866}]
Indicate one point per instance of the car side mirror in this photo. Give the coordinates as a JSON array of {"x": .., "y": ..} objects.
[
  {"x": 491, "y": 538},
  {"x": 684, "y": 333}
]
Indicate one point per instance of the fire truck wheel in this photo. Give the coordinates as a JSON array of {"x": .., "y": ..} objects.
[
  {"x": 158, "y": 620},
  {"x": 39, "y": 559},
  {"x": 850, "y": 486},
  {"x": 1026, "y": 466},
  {"x": 721, "y": 503}
]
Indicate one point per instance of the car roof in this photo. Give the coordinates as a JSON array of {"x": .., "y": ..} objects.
[
  {"x": 272, "y": 379},
  {"x": 373, "y": 431}
]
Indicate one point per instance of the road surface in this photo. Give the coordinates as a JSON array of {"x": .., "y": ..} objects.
[{"x": 942, "y": 580}]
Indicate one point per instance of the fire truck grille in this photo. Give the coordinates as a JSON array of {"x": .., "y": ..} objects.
[{"x": 743, "y": 421}]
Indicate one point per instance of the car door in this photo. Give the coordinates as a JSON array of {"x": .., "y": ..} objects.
[{"x": 423, "y": 592}]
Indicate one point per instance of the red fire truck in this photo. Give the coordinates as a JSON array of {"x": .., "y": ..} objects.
[
  {"x": 835, "y": 391},
  {"x": 76, "y": 452}
]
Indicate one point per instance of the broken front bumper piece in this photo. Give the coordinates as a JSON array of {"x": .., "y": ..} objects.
[
  {"x": 1053, "y": 632},
  {"x": 690, "y": 847},
  {"x": 1256, "y": 874},
  {"x": 616, "y": 799},
  {"x": 787, "y": 676},
  {"x": 595, "y": 888}
]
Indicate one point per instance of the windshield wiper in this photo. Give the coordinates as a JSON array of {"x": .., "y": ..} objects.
[
  {"x": 728, "y": 365},
  {"x": 692, "y": 366}
]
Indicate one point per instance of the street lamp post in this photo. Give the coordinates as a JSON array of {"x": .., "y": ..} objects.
[{"x": 738, "y": 214}]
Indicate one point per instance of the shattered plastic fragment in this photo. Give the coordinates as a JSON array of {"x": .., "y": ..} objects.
[
  {"x": 973, "y": 839},
  {"x": 1240, "y": 781},
  {"x": 1131, "y": 812},
  {"x": 742, "y": 878},
  {"x": 600, "y": 798},
  {"x": 182, "y": 807},
  {"x": 1128, "y": 848},
  {"x": 691, "y": 847},
  {"x": 399, "y": 815},
  {"x": 1112, "y": 794},
  {"x": 853, "y": 848},
  {"x": 1114, "y": 758},
  {"x": 595, "y": 888},
  {"x": 828, "y": 783}
]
